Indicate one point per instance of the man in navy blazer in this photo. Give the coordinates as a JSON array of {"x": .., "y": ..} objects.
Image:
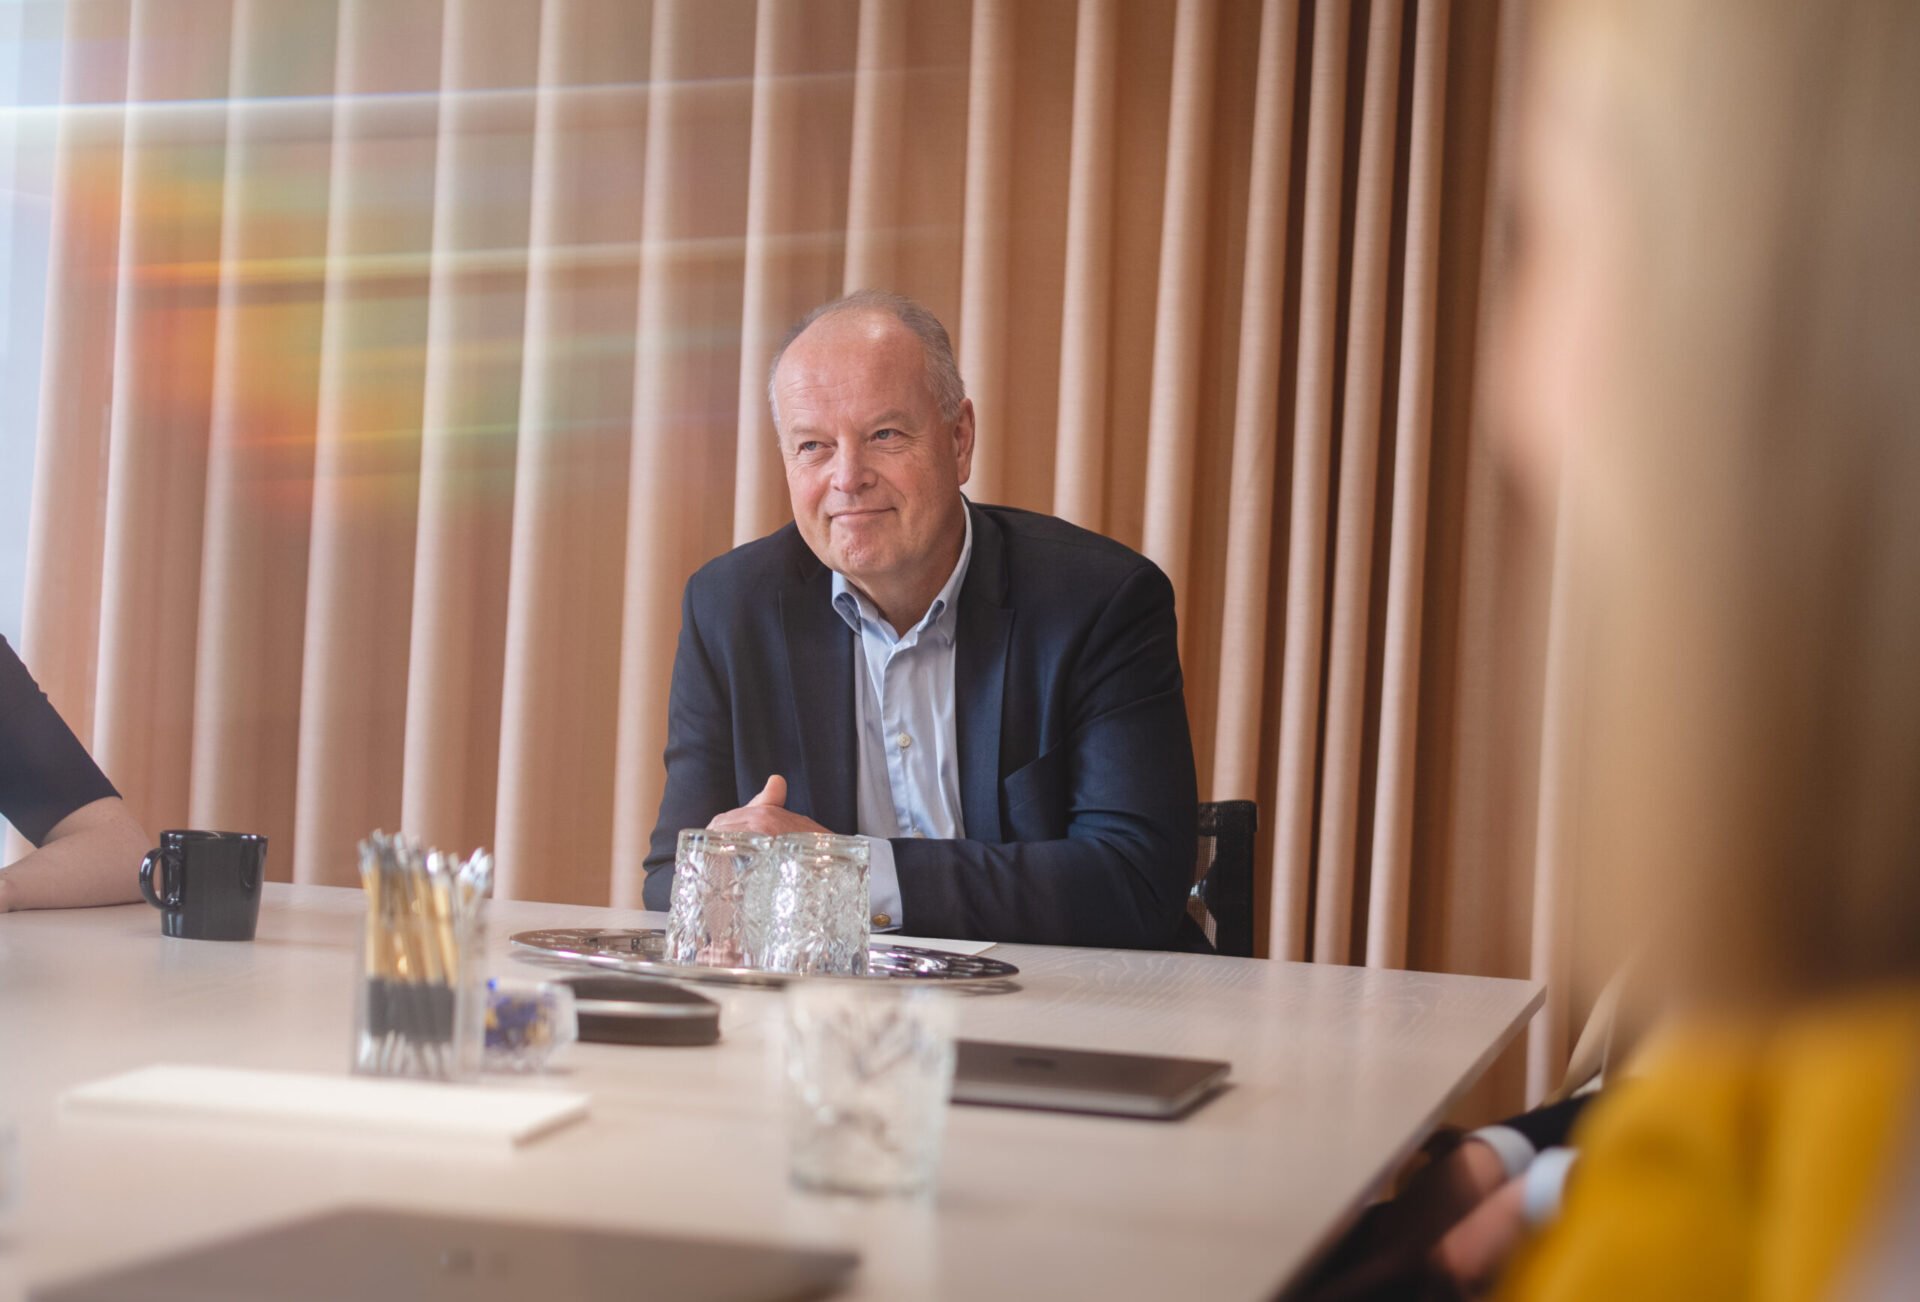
[{"x": 992, "y": 697}]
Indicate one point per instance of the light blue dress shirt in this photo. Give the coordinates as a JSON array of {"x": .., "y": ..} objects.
[{"x": 903, "y": 712}]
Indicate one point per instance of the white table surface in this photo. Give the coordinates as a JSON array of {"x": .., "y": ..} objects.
[{"x": 1338, "y": 1072}]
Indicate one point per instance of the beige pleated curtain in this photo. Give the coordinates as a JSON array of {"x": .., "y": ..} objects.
[{"x": 403, "y": 357}]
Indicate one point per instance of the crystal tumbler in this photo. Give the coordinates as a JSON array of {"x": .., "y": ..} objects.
[
  {"x": 868, "y": 1071},
  {"x": 816, "y": 906},
  {"x": 711, "y": 923}
]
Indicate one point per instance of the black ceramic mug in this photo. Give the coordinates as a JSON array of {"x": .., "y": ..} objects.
[{"x": 208, "y": 885}]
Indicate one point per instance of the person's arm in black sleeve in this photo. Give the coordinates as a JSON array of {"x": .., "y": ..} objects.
[
  {"x": 1120, "y": 874},
  {"x": 89, "y": 845},
  {"x": 699, "y": 755}
]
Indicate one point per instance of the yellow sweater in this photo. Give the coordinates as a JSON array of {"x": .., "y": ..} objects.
[{"x": 1740, "y": 1163}]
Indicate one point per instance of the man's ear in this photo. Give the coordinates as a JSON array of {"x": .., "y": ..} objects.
[{"x": 963, "y": 440}]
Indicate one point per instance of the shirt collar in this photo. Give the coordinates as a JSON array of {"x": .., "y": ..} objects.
[{"x": 941, "y": 616}]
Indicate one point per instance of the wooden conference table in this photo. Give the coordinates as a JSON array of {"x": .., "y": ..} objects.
[{"x": 1338, "y": 1072}]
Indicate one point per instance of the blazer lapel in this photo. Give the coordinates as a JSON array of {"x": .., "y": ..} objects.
[
  {"x": 820, "y": 685},
  {"x": 980, "y": 677}
]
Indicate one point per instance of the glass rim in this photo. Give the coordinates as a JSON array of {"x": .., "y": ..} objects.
[
  {"x": 722, "y": 836},
  {"x": 821, "y": 841}
]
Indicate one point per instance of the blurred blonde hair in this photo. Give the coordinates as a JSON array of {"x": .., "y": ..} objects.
[{"x": 1747, "y": 506}]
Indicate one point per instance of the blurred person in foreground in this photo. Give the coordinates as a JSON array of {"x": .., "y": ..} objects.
[
  {"x": 990, "y": 696},
  {"x": 88, "y": 845},
  {"x": 1713, "y": 344}
]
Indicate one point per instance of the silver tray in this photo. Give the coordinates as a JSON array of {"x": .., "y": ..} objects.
[{"x": 640, "y": 952}]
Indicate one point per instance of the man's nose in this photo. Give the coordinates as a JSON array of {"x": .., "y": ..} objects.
[{"x": 851, "y": 473}]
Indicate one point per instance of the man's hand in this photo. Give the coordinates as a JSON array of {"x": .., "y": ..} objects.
[
  {"x": 766, "y": 814},
  {"x": 1472, "y": 1253}
]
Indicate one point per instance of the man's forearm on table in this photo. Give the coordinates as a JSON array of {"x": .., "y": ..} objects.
[{"x": 1074, "y": 891}]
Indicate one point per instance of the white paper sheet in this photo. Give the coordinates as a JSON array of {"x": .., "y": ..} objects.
[
  {"x": 419, "y": 1109},
  {"x": 934, "y": 943}
]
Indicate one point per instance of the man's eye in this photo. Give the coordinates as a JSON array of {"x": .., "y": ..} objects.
[
  {"x": 886, "y": 434},
  {"x": 809, "y": 447}
]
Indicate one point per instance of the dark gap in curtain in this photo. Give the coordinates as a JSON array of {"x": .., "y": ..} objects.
[
  {"x": 1358, "y": 41},
  {"x": 1040, "y": 166},
  {"x": 1139, "y": 194},
  {"x": 1472, "y": 58},
  {"x": 1284, "y": 435},
  {"x": 1236, "y": 75},
  {"x": 1385, "y": 486}
]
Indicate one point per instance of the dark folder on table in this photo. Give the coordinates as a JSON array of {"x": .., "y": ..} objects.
[{"x": 377, "y": 1255}]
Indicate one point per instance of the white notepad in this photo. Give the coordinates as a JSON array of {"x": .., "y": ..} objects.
[
  {"x": 418, "y": 1109},
  {"x": 934, "y": 943}
]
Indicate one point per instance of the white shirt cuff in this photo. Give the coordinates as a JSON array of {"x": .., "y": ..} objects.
[
  {"x": 1546, "y": 1185},
  {"x": 1515, "y": 1151},
  {"x": 883, "y": 884}
]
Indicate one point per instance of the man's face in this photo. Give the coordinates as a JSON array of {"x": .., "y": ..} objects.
[{"x": 873, "y": 471}]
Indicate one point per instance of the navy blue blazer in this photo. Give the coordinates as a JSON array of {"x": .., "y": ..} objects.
[{"x": 1077, "y": 784}]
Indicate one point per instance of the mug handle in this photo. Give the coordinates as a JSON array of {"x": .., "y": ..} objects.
[{"x": 171, "y": 900}]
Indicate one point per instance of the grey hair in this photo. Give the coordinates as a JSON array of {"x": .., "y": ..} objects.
[{"x": 943, "y": 373}]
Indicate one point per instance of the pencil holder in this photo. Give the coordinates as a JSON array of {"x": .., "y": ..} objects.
[{"x": 420, "y": 1006}]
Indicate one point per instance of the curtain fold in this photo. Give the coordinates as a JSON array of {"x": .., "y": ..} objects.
[
  {"x": 404, "y": 357},
  {"x": 686, "y": 374},
  {"x": 981, "y": 341},
  {"x": 1302, "y": 662},
  {"x": 1393, "y": 809},
  {"x": 476, "y": 319},
  {"x": 1244, "y": 613},
  {"x": 1550, "y": 957},
  {"x": 266, "y": 384},
  {"x": 879, "y": 114},
  {"x": 907, "y": 184},
  {"x": 553, "y": 833},
  {"x": 60, "y": 634},
  {"x": 1079, "y": 480},
  {"x": 1353, "y": 544},
  {"x": 797, "y": 205},
  {"x": 171, "y": 200},
  {"x": 366, "y": 465},
  {"x": 1179, "y": 330},
  {"x": 1035, "y": 255}
]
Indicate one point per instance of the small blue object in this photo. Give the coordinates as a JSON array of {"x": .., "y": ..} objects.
[{"x": 526, "y": 1024}]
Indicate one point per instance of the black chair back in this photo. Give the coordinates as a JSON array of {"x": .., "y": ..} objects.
[{"x": 1222, "y": 897}]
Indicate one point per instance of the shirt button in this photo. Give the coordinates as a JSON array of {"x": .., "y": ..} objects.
[
  {"x": 882, "y": 920},
  {"x": 903, "y": 741}
]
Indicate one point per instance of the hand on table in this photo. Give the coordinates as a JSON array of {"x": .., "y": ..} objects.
[
  {"x": 766, "y": 814},
  {"x": 1472, "y": 1253},
  {"x": 1400, "y": 1246}
]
